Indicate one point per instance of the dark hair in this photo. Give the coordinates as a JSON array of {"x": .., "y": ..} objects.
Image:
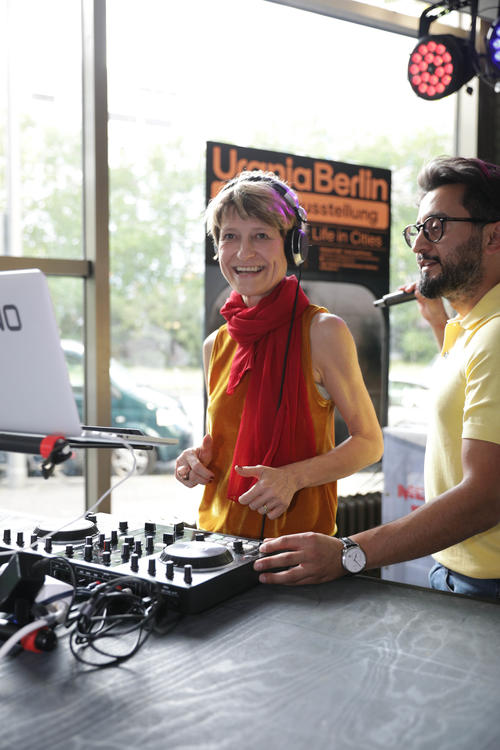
[{"x": 481, "y": 179}]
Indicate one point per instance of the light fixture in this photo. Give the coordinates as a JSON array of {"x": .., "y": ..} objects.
[
  {"x": 441, "y": 64},
  {"x": 493, "y": 45}
]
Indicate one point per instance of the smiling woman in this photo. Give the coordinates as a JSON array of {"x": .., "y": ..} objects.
[{"x": 275, "y": 373}]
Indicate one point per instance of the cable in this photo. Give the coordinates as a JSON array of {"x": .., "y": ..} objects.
[{"x": 113, "y": 612}]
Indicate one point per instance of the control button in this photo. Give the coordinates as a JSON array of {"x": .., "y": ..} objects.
[
  {"x": 48, "y": 544},
  {"x": 123, "y": 526},
  {"x": 20, "y": 539},
  {"x": 150, "y": 545},
  {"x": 188, "y": 573},
  {"x": 69, "y": 550},
  {"x": 152, "y": 567},
  {"x": 125, "y": 552},
  {"x": 238, "y": 546},
  {"x": 149, "y": 527},
  {"x": 134, "y": 562},
  {"x": 87, "y": 553},
  {"x": 170, "y": 569}
]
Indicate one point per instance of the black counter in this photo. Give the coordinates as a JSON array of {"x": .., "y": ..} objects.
[{"x": 357, "y": 663}]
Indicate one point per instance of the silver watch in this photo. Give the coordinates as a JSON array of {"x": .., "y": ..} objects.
[{"x": 353, "y": 557}]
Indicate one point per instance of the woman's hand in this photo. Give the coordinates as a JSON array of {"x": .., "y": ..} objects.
[
  {"x": 273, "y": 492},
  {"x": 191, "y": 466}
]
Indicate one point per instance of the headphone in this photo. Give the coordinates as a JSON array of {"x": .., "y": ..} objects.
[{"x": 296, "y": 239}]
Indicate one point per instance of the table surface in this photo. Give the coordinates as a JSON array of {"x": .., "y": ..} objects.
[{"x": 356, "y": 663}]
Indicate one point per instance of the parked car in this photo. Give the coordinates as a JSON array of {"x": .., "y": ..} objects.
[
  {"x": 132, "y": 406},
  {"x": 408, "y": 402}
]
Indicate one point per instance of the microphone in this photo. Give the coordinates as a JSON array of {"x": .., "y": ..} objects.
[{"x": 394, "y": 298}]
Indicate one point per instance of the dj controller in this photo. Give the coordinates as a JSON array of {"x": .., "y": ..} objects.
[{"x": 194, "y": 569}]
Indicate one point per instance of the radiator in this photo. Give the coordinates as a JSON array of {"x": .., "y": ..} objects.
[{"x": 358, "y": 512}]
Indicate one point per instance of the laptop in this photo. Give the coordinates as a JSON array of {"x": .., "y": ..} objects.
[{"x": 36, "y": 397}]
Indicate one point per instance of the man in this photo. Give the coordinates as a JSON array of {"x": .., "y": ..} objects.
[{"x": 456, "y": 241}]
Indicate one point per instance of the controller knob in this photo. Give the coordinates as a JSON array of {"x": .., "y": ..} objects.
[
  {"x": 168, "y": 538},
  {"x": 88, "y": 540},
  {"x": 170, "y": 569},
  {"x": 179, "y": 528},
  {"x": 114, "y": 537},
  {"x": 87, "y": 553},
  {"x": 91, "y": 517},
  {"x": 199, "y": 536},
  {"x": 149, "y": 528},
  {"x": 134, "y": 562},
  {"x": 138, "y": 547},
  {"x": 123, "y": 526},
  {"x": 238, "y": 546},
  {"x": 125, "y": 552},
  {"x": 20, "y": 539},
  {"x": 129, "y": 540},
  {"x": 188, "y": 573},
  {"x": 6, "y": 536},
  {"x": 48, "y": 544},
  {"x": 150, "y": 545},
  {"x": 102, "y": 537},
  {"x": 152, "y": 567},
  {"x": 107, "y": 545},
  {"x": 106, "y": 557},
  {"x": 69, "y": 550},
  {"x": 34, "y": 541}
]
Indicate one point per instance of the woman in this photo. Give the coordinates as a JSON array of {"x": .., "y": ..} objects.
[{"x": 268, "y": 461}]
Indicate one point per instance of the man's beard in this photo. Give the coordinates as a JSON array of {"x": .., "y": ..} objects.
[{"x": 460, "y": 274}]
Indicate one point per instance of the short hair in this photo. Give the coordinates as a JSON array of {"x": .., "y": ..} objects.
[
  {"x": 252, "y": 194},
  {"x": 481, "y": 180}
]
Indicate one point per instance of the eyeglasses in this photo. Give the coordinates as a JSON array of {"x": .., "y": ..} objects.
[{"x": 433, "y": 228}]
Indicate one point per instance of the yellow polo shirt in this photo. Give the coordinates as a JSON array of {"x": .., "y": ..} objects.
[{"x": 466, "y": 405}]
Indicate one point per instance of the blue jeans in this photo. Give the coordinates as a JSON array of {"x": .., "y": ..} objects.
[{"x": 444, "y": 579}]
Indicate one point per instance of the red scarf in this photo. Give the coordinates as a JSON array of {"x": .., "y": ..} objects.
[{"x": 267, "y": 436}]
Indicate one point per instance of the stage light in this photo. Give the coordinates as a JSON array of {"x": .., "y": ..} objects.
[
  {"x": 441, "y": 64},
  {"x": 493, "y": 43}
]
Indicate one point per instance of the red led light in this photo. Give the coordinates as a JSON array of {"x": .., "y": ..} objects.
[{"x": 439, "y": 65}]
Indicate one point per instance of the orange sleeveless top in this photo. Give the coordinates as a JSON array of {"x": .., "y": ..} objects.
[{"x": 312, "y": 508}]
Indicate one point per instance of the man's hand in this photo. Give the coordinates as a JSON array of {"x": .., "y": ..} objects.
[
  {"x": 191, "y": 466},
  {"x": 309, "y": 557},
  {"x": 273, "y": 491}
]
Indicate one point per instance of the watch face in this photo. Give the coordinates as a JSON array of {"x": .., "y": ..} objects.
[{"x": 353, "y": 559}]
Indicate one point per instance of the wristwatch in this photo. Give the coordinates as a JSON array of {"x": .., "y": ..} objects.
[{"x": 353, "y": 558}]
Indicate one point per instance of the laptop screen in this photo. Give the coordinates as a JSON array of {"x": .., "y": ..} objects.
[{"x": 35, "y": 391}]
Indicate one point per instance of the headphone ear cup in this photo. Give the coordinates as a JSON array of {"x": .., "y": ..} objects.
[{"x": 296, "y": 247}]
